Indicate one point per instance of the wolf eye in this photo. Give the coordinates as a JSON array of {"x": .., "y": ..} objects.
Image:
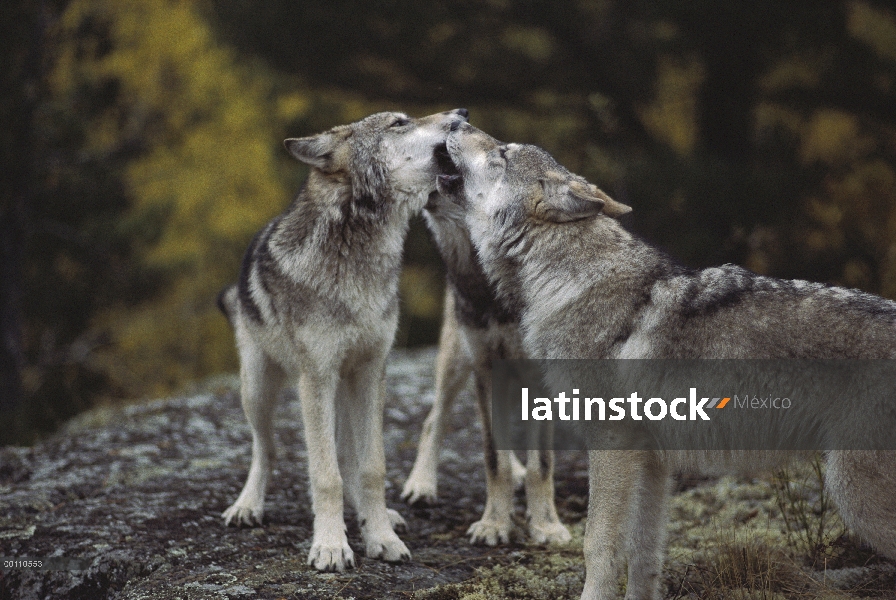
[
  {"x": 502, "y": 150},
  {"x": 400, "y": 122}
]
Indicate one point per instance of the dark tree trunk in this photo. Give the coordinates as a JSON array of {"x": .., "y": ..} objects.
[
  {"x": 21, "y": 29},
  {"x": 11, "y": 355}
]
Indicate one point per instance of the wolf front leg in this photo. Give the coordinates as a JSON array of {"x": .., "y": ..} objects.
[
  {"x": 453, "y": 368},
  {"x": 611, "y": 482},
  {"x": 260, "y": 382},
  {"x": 317, "y": 395},
  {"x": 365, "y": 403},
  {"x": 647, "y": 527}
]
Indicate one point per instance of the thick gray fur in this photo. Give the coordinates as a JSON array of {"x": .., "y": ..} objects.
[
  {"x": 316, "y": 306},
  {"x": 587, "y": 288},
  {"x": 477, "y": 330}
]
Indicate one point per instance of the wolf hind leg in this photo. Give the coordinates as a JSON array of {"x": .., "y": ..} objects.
[
  {"x": 862, "y": 484},
  {"x": 453, "y": 368},
  {"x": 260, "y": 381},
  {"x": 347, "y": 443},
  {"x": 496, "y": 523}
]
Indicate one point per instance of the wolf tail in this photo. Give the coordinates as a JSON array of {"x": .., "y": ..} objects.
[{"x": 227, "y": 301}]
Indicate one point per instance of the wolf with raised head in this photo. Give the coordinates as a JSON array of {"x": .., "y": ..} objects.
[
  {"x": 316, "y": 306},
  {"x": 586, "y": 288},
  {"x": 477, "y": 330}
]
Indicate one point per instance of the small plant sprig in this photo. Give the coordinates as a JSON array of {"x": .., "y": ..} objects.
[{"x": 811, "y": 523}]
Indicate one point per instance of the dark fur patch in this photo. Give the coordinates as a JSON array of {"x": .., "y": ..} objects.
[
  {"x": 544, "y": 462},
  {"x": 245, "y": 294},
  {"x": 510, "y": 215},
  {"x": 491, "y": 455},
  {"x": 267, "y": 268},
  {"x": 366, "y": 202},
  {"x": 727, "y": 290},
  {"x": 872, "y": 306},
  {"x": 476, "y": 302}
]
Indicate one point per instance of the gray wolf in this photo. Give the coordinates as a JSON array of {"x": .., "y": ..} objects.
[
  {"x": 587, "y": 288},
  {"x": 477, "y": 330},
  {"x": 316, "y": 306}
]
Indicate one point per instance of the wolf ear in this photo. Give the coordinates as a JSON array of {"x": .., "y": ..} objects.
[
  {"x": 611, "y": 207},
  {"x": 565, "y": 201},
  {"x": 317, "y": 150}
]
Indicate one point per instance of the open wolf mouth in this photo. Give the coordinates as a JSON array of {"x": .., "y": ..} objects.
[
  {"x": 443, "y": 160},
  {"x": 449, "y": 180}
]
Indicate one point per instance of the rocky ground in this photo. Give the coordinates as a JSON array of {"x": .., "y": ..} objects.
[{"x": 136, "y": 494}]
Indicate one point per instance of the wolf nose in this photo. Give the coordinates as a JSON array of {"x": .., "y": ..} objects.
[{"x": 463, "y": 112}]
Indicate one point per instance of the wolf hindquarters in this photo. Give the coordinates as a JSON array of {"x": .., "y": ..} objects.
[{"x": 261, "y": 379}]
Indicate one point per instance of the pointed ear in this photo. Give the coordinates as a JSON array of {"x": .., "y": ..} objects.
[
  {"x": 565, "y": 201},
  {"x": 317, "y": 150},
  {"x": 611, "y": 207}
]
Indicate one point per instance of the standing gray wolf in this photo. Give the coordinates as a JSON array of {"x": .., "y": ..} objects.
[
  {"x": 477, "y": 330},
  {"x": 316, "y": 305},
  {"x": 586, "y": 288}
]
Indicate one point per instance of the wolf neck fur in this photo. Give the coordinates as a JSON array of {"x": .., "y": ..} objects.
[
  {"x": 614, "y": 285},
  {"x": 324, "y": 215},
  {"x": 476, "y": 302}
]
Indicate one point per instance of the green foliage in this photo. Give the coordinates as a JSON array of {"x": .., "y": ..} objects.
[{"x": 200, "y": 176}]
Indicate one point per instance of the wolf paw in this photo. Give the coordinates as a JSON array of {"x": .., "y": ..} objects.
[
  {"x": 396, "y": 520},
  {"x": 489, "y": 532},
  {"x": 419, "y": 490},
  {"x": 386, "y": 546},
  {"x": 549, "y": 532},
  {"x": 239, "y": 514},
  {"x": 333, "y": 555}
]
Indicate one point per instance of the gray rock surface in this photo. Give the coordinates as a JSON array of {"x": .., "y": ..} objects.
[{"x": 136, "y": 494}]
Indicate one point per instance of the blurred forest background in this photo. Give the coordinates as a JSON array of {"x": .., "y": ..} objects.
[{"x": 141, "y": 149}]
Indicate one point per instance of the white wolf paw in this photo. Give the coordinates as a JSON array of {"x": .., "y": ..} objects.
[
  {"x": 385, "y": 545},
  {"x": 396, "y": 520},
  {"x": 331, "y": 555},
  {"x": 549, "y": 532},
  {"x": 490, "y": 532},
  {"x": 419, "y": 490},
  {"x": 240, "y": 514}
]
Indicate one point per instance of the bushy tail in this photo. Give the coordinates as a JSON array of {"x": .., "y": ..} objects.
[{"x": 227, "y": 301}]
